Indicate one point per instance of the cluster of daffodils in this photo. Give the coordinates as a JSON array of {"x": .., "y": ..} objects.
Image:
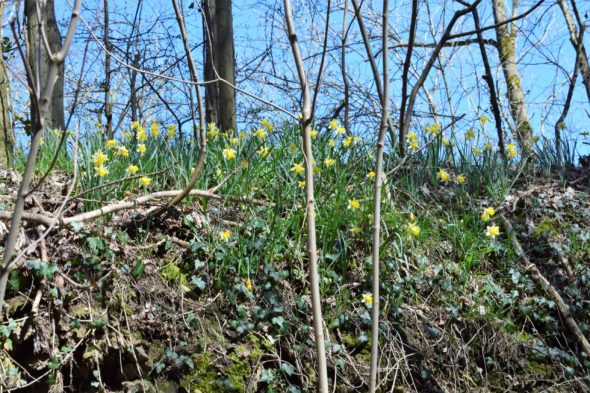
[
  {"x": 492, "y": 230},
  {"x": 445, "y": 177},
  {"x": 413, "y": 141},
  {"x": 100, "y": 158},
  {"x": 511, "y": 151}
]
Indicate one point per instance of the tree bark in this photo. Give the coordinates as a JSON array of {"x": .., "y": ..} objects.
[
  {"x": 6, "y": 131},
  {"x": 108, "y": 105},
  {"x": 507, "y": 47},
  {"x": 209, "y": 38},
  {"x": 39, "y": 58},
  {"x": 220, "y": 98},
  {"x": 575, "y": 39}
]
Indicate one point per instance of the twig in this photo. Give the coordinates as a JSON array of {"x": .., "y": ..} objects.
[{"x": 120, "y": 205}]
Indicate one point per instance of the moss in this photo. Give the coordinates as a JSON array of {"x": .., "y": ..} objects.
[
  {"x": 513, "y": 81},
  {"x": 547, "y": 228},
  {"x": 203, "y": 377},
  {"x": 172, "y": 272},
  {"x": 206, "y": 378}
]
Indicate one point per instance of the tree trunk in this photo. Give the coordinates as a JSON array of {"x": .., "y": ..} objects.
[
  {"x": 516, "y": 98},
  {"x": 210, "y": 37},
  {"x": 575, "y": 39},
  {"x": 6, "y": 131},
  {"x": 226, "y": 65},
  {"x": 108, "y": 105},
  {"x": 220, "y": 62},
  {"x": 39, "y": 59}
]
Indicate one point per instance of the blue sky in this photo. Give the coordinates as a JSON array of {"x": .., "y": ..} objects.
[{"x": 545, "y": 58}]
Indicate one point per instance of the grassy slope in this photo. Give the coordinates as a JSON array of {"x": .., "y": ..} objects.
[{"x": 172, "y": 300}]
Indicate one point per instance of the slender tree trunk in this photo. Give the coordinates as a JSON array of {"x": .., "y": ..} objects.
[
  {"x": 6, "y": 131},
  {"x": 225, "y": 61},
  {"x": 210, "y": 38},
  {"x": 314, "y": 275},
  {"x": 39, "y": 58},
  {"x": 374, "y": 373},
  {"x": 516, "y": 98},
  {"x": 132, "y": 86},
  {"x": 489, "y": 79},
  {"x": 108, "y": 105},
  {"x": 577, "y": 42}
]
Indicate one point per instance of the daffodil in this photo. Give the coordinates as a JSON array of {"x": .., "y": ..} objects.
[
  {"x": 234, "y": 141},
  {"x": 298, "y": 169},
  {"x": 368, "y": 299},
  {"x": 260, "y": 134},
  {"x": 248, "y": 285},
  {"x": 413, "y": 229},
  {"x": 461, "y": 179},
  {"x": 292, "y": 148},
  {"x": 334, "y": 125},
  {"x": 492, "y": 231},
  {"x": 229, "y": 153},
  {"x": 127, "y": 135},
  {"x": 301, "y": 184},
  {"x": 353, "y": 204},
  {"x": 132, "y": 169},
  {"x": 263, "y": 151},
  {"x": 145, "y": 181},
  {"x": 412, "y": 137},
  {"x": 340, "y": 130},
  {"x": 355, "y": 230},
  {"x": 317, "y": 170},
  {"x": 348, "y": 141},
  {"x": 331, "y": 143},
  {"x": 142, "y": 136},
  {"x": 443, "y": 175},
  {"x": 476, "y": 151},
  {"x": 484, "y": 119},
  {"x": 122, "y": 151},
  {"x": 141, "y": 148},
  {"x": 111, "y": 143},
  {"x": 225, "y": 235},
  {"x": 101, "y": 171},
  {"x": 267, "y": 124},
  {"x": 371, "y": 175},
  {"x": 511, "y": 151},
  {"x": 170, "y": 133},
  {"x": 99, "y": 158},
  {"x": 487, "y": 146},
  {"x": 488, "y": 213},
  {"x": 470, "y": 134},
  {"x": 329, "y": 162},
  {"x": 414, "y": 145},
  {"x": 433, "y": 128},
  {"x": 446, "y": 142},
  {"x": 155, "y": 129},
  {"x": 314, "y": 134},
  {"x": 135, "y": 125}
]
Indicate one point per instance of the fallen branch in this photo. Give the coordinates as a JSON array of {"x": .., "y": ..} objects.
[
  {"x": 120, "y": 205},
  {"x": 546, "y": 286}
]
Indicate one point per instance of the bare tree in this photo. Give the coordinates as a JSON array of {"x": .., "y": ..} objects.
[
  {"x": 40, "y": 14},
  {"x": 6, "y": 131},
  {"x": 314, "y": 276},
  {"x": 576, "y": 38},
  {"x": 41, "y": 110},
  {"x": 506, "y": 38},
  {"x": 220, "y": 98}
]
